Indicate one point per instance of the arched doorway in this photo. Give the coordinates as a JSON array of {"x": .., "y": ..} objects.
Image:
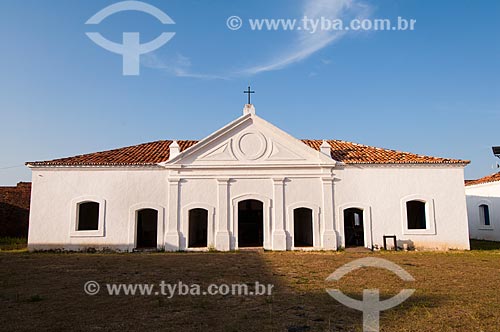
[
  {"x": 353, "y": 228},
  {"x": 302, "y": 227},
  {"x": 198, "y": 228},
  {"x": 147, "y": 228},
  {"x": 250, "y": 223}
]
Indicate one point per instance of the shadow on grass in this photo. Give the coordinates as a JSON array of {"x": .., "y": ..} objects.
[
  {"x": 43, "y": 284},
  {"x": 484, "y": 245},
  {"x": 310, "y": 308}
]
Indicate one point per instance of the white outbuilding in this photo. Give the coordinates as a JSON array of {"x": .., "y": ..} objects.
[
  {"x": 483, "y": 207},
  {"x": 248, "y": 184}
]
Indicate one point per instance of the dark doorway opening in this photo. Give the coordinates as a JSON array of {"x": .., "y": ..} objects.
[
  {"x": 198, "y": 228},
  {"x": 147, "y": 228},
  {"x": 302, "y": 227},
  {"x": 250, "y": 223},
  {"x": 353, "y": 228}
]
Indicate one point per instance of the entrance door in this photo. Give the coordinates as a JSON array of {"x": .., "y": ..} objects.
[
  {"x": 147, "y": 228},
  {"x": 353, "y": 228},
  {"x": 198, "y": 226},
  {"x": 250, "y": 223},
  {"x": 302, "y": 227}
]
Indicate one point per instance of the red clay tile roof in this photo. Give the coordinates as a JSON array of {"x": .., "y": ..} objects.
[
  {"x": 489, "y": 178},
  {"x": 138, "y": 155},
  {"x": 353, "y": 153},
  {"x": 156, "y": 152}
]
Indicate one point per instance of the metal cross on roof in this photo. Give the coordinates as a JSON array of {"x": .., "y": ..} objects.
[{"x": 249, "y": 92}]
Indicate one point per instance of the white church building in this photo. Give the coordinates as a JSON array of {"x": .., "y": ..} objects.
[{"x": 249, "y": 184}]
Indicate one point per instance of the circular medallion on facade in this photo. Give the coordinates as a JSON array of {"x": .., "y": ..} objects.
[{"x": 251, "y": 145}]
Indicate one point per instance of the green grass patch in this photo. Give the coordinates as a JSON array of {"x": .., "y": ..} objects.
[{"x": 13, "y": 243}]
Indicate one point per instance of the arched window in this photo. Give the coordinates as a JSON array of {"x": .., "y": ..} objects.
[
  {"x": 88, "y": 216},
  {"x": 198, "y": 228},
  {"x": 416, "y": 215},
  {"x": 302, "y": 227},
  {"x": 484, "y": 215}
]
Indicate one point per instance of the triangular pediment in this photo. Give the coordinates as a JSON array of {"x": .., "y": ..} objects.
[
  {"x": 222, "y": 152},
  {"x": 250, "y": 140},
  {"x": 282, "y": 153}
]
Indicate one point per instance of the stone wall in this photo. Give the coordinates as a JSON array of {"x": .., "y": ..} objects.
[{"x": 14, "y": 210}]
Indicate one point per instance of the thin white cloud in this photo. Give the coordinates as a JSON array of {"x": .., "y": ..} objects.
[
  {"x": 303, "y": 45},
  {"x": 180, "y": 66},
  {"x": 307, "y": 43}
]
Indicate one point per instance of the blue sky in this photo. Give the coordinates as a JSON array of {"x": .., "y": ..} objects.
[{"x": 434, "y": 90}]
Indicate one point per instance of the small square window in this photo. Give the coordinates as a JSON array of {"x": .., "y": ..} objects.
[
  {"x": 417, "y": 214},
  {"x": 415, "y": 211},
  {"x": 88, "y": 216}
]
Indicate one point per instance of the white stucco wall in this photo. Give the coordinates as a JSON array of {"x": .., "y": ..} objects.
[
  {"x": 379, "y": 190},
  {"x": 488, "y": 194},
  {"x": 56, "y": 191}
]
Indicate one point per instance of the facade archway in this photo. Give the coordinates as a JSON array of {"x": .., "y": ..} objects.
[
  {"x": 147, "y": 229},
  {"x": 250, "y": 223},
  {"x": 302, "y": 227},
  {"x": 354, "y": 232},
  {"x": 133, "y": 224},
  {"x": 290, "y": 221},
  {"x": 366, "y": 221},
  {"x": 198, "y": 228},
  {"x": 185, "y": 225},
  {"x": 266, "y": 219}
]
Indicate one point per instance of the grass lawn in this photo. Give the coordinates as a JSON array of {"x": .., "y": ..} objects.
[
  {"x": 13, "y": 243},
  {"x": 455, "y": 291}
]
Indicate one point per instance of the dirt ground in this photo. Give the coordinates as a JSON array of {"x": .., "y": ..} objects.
[{"x": 455, "y": 291}]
